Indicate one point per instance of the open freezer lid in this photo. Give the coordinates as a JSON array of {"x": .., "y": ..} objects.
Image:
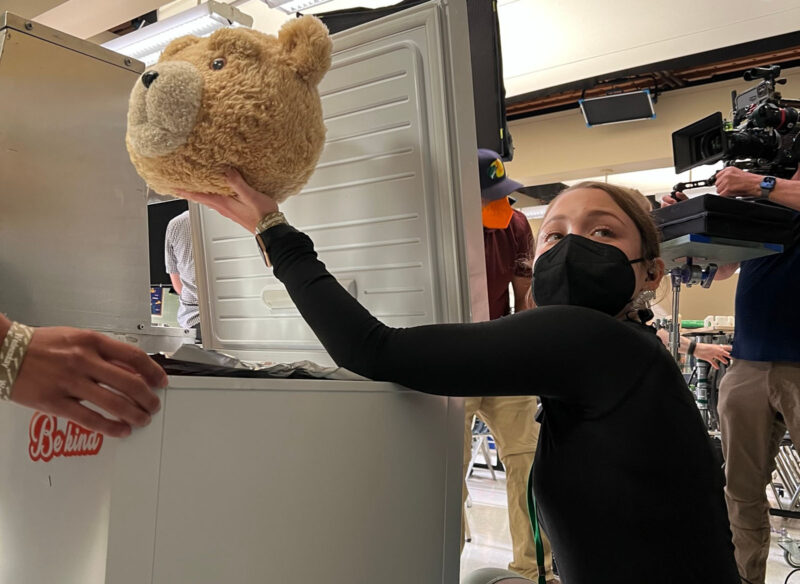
[{"x": 393, "y": 206}]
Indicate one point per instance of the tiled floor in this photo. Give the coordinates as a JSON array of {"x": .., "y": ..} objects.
[{"x": 491, "y": 542}]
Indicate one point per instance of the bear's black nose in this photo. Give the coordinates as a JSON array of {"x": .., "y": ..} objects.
[{"x": 149, "y": 77}]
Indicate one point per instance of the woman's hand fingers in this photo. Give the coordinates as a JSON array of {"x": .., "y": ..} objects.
[
  {"x": 246, "y": 207},
  {"x": 112, "y": 401},
  {"x": 129, "y": 398},
  {"x": 240, "y": 187},
  {"x": 228, "y": 206},
  {"x": 90, "y": 419},
  {"x": 259, "y": 203},
  {"x": 136, "y": 361},
  {"x": 207, "y": 199}
]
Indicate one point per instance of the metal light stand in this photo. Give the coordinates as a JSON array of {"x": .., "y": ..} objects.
[{"x": 688, "y": 274}]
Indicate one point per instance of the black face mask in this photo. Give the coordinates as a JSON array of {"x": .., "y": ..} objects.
[{"x": 579, "y": 271}]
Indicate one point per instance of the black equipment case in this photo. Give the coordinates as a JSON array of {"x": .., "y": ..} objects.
[{"x": 717, "y": 216}]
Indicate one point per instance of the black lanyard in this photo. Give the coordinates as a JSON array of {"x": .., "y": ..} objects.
[{"x": 537, "y": 534}]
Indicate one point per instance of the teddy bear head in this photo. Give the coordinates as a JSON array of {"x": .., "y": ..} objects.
[{"x": 238, "y": 98}]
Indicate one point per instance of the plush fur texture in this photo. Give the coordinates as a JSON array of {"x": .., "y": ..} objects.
[{"x": 238, "y": 98}]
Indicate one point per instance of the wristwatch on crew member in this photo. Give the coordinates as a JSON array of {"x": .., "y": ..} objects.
[{"x": 767, "y": 184}]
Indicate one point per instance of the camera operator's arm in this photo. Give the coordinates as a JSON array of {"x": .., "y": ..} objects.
[{"x": 734, "y": 182}]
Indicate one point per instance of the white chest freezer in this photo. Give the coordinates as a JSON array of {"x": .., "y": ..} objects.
[{"x": 244, "y": 480}]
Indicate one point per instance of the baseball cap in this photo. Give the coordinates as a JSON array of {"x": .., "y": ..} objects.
[
  {"x": 495, "y": 184},
  {"x": 495, "y": 188}
]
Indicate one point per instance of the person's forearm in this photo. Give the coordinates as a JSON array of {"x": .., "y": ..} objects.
[
  {"x": 787, "y": 193},
  {"x": 665, "y": 337},
  {"x": 5, "y": 324},
  {"x": 523, "y": 303},
  {"x": 177, "y": 285},
  {"x": 523, "y": 300}
]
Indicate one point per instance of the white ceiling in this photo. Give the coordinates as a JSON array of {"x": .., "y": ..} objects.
[{"x": 544, "y": 42}]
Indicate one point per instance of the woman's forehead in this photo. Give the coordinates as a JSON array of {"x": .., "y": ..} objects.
[{"x": 585, "y": 203}]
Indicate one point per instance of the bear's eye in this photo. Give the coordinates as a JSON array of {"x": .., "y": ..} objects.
[{"x": 217, "y": 64}]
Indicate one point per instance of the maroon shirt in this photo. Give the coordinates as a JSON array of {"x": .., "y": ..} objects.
[{"x": 509, "y": 253}]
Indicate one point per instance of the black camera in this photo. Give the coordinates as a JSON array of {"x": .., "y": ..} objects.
[{"x": 762, "y": 137}]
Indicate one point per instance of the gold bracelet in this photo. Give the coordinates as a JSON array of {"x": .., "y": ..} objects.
[
  {"x": 12, "y": 352},
  {"x": 270, "y": 220}
]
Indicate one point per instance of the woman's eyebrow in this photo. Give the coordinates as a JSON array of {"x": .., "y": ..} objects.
[
  {"x": 591, "y": 214},
  {"x": 603, "y": 212}
]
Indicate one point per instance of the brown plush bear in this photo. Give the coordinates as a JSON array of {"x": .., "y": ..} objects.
[{"x": 237, "y": 98}]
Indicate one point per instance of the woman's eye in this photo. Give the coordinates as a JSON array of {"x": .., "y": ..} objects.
[
  {"x": 550, "y": 237},
  {"x": 217, "y": 64},
  {"x": 602, "y": 232}
]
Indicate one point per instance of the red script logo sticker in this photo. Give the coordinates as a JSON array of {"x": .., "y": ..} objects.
[{"x": 47, "y": 441}]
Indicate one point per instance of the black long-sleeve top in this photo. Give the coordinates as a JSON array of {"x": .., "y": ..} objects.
[{"x": 626, "y": 483}]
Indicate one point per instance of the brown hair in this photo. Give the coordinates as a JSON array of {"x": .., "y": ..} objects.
[{"x": 630, "y": 201}]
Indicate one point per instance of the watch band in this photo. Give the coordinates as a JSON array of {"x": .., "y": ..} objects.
[
  {"x": 270, "y": 220},
  {"x": 267, "y": 224},
  {"x": 767, "y": 184}
]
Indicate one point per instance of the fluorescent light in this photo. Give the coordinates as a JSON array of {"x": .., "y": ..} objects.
[
  {"x": 147, "y": 43},
  {"x": 292, "y": 6},
  {"x": 334, "y": 5},
  {"x": 535, "y": 212}
]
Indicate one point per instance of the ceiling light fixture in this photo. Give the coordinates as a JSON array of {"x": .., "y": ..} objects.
[
  {"x": 292, "y": 6},
  {"x": 147, "y": 43}
]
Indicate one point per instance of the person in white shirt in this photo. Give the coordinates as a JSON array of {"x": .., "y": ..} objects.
[{"x": 179, "y": 259}]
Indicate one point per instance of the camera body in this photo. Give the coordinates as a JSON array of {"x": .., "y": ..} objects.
[{"x": 761, "y": 138}]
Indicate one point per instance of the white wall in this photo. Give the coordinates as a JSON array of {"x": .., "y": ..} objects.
[{"x": 559, "y": 146}]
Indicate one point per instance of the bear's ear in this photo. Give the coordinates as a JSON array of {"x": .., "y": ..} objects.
[
  {"x": 178, "y": 45},
  {"x": 306, "y": 43}
]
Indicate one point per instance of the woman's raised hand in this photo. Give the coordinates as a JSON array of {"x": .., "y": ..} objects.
[{"x": 246, "y": 207}]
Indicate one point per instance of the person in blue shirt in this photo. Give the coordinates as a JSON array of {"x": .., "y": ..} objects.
[{"x": 759, "y": 397}]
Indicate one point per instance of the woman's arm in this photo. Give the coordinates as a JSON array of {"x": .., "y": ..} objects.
[{"x": 568, "y": 352}]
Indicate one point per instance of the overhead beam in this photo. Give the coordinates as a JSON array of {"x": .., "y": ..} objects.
[{"x": 665, "y": 80}]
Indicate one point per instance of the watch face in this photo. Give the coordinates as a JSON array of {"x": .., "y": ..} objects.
[{"x": 768, "y": 182}]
